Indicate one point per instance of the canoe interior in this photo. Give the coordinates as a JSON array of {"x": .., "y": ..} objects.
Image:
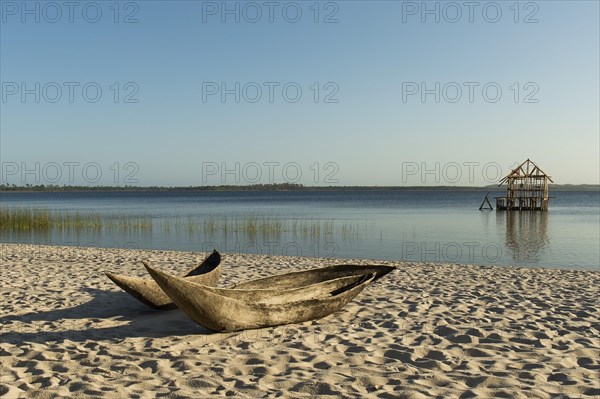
[{"x": 307, "y": 277}]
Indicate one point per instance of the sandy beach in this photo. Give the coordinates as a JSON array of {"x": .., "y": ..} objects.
[{"x": 425, "y": 330}]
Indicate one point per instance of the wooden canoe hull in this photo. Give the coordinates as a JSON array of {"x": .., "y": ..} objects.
[
  {"x": 147, "y": 291},
  {"x": 240, "y": 309},
  {"x": 308, "y": 277}
]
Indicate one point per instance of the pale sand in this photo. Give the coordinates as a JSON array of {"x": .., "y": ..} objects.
[{"x": 425, "y": 330}]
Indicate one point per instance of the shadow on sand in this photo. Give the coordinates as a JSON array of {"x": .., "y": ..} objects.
[{"x": 105, "y": 307}]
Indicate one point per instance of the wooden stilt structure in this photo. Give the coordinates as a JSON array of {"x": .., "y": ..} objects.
[{"x": 527, "y": 189}]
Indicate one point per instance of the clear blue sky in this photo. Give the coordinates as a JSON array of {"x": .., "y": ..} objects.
[{"x": 379, "y": 132}]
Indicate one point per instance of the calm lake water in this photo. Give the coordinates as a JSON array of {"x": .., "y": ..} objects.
[{"x": 428, "y": 226}]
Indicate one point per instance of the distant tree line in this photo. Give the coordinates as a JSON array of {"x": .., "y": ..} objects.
[{"x": 283, "y": 187}]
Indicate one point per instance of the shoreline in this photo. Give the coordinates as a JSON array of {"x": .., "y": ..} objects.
[
  {"x": 61, "y": 248},
  {"x": 424, "y": 330}
]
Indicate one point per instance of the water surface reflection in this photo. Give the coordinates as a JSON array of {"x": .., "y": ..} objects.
[{"x": 526, "y": 235}]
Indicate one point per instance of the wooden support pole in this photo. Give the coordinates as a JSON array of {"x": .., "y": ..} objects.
[{"x": 488, "y": 203}]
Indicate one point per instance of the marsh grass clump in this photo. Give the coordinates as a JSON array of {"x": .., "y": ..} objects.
[
  {"x": 73, "y": 220},
  {"x": 35, "y": 219},
  {"x": 128, "y": 223},
  {"x": 252, "y": 226},
  {"x": 22, "y": 219}
]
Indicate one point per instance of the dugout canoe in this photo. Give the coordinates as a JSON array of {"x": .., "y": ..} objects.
[
  {"x": 236, "y": 309},
  {"x": 147, "y": 291}
]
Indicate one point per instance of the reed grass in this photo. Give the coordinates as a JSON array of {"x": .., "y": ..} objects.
[
  {"x": 252, "y": 226},
  {"x": 249, "y": 226},
  {"x": 40, "y": 219}
]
